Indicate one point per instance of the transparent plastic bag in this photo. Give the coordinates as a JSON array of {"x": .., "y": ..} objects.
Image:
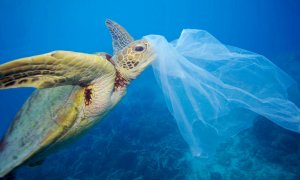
[{"x": 215, "y": 91}]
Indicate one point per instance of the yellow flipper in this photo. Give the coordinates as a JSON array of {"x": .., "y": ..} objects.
[{"x": 54, "y": 69}]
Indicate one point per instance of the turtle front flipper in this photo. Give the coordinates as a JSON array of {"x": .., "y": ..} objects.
[{"x": 53, "y": 69}]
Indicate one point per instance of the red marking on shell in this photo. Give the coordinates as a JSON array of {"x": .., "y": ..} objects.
[
  {"x": 108, "y": 57},
  {"x": 112, "y": 62},
  {"x": 120, "y": 82},
  {"x": 88, "y": 96}
]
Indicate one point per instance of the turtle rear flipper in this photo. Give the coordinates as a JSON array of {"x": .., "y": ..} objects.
[{"x": 53, "y": 69}]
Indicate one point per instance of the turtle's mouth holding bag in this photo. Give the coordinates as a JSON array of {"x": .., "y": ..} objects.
[{"x": 135, "y": 58}]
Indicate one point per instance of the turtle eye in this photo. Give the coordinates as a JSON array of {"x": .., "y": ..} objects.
[{"x": 139, "y": 48}]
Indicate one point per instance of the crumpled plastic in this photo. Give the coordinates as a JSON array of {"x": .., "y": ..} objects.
[{"x": 215, "y": 91}]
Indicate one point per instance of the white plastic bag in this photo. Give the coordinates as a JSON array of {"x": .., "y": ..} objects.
[{"x": 215, "y": 91}]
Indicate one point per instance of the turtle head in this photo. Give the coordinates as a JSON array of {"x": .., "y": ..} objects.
[
  {"x": 130, "y": 57},
  {"x": 133, "y": 59}
]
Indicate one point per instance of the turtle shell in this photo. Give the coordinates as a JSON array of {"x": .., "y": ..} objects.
[{"x": 45, "y": 117}]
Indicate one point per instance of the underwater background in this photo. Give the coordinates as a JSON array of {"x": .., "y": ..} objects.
[{"x": 139, "y": 139}]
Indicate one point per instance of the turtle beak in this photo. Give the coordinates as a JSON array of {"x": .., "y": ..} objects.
[{"x": 120, "y": 37}]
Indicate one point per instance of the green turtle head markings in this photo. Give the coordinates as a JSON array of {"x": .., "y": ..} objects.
[
  {"x": 131, "y": 57},
  {"x": 75, "y": 90},
  {"x": 132, "y": 60}
]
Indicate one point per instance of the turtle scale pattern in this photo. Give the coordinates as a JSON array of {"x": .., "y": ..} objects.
[{"x": 75, "y": 91}]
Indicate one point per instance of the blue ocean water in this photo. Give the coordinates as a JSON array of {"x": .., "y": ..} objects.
[{"x": 139, "y": 139}]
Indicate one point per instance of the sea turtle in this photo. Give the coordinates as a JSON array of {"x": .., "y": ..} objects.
[{"x": 75, "y": 90}]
